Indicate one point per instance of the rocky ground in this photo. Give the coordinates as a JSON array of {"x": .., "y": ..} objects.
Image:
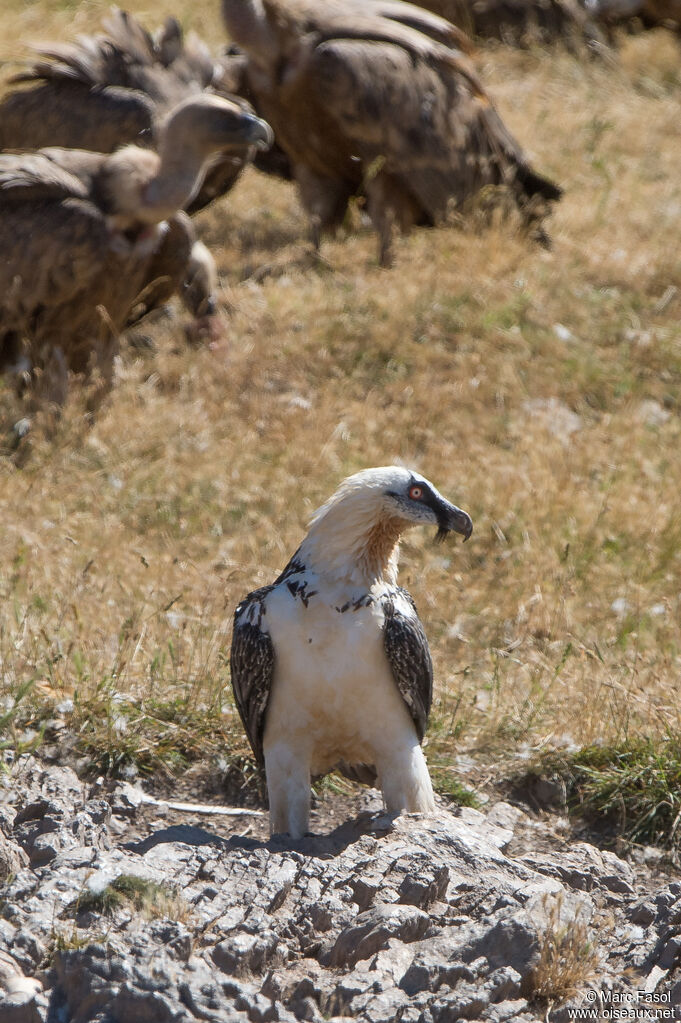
[{"x": 122, "y": 910}]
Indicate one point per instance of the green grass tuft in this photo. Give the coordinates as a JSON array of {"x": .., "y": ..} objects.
[
  {"x": 635, "y": 785},
  {"x": 447, "y": 784},
  {"x": 151, "y": 899}
]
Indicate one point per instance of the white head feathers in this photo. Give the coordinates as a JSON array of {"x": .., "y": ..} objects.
[{"x": 355, "y": 534}]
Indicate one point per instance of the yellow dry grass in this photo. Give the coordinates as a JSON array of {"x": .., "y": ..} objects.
[
  {"x": 540, "y": 391},
  {"x": 568, "y": 958}
]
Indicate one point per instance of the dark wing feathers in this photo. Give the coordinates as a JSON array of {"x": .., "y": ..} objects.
[
  {"x": 252, "y": 667},
  {"x": 406, "y": 648},
  {"x": 37, "y": 176}
]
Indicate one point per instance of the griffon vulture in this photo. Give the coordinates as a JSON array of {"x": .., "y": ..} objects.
[
  {"x": 363, "y": 102},
  {"x": 330, "y": 664},
  {"x": 523, "y": 22},
  {"x": 649, "y": 13},
  {"x": 85, "y": 235},
  {"x": 111, "y": 89}
]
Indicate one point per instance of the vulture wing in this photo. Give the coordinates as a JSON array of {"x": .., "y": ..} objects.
[
  {"x": 407, "y": 651},
  {"x": 67, "y": 113},
  {"x": 35, "y": 176},
  {"x": 291, "y": 23},
  {"x": 126, "y": 57},
  {"x": 252, "y": 666},
  {"x": 439, "y": 29}
]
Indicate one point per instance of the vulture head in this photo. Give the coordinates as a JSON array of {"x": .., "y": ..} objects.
[
  {"x": 394, "y": 493},
  {"x": 142, "y": 187},
  {"x": 356, "y": 533},
  {"x": 417, "y": 502},
  {"x": 249, "y": 27},
  {"x": 211, "y": 124}
]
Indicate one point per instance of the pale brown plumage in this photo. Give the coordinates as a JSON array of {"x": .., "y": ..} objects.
[
  {"x": 113, "y": 88},
  {"x": 363, "y": 102},
  {"x": 183, "y": 266},
  {"x": 84, "y": 235}
]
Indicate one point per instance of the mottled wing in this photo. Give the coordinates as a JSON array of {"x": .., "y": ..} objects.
[
  {"x": 252, "y": 667},
  {"x": 68, "y": 113},
  {"x": 55, "y": 253},
  {"x": 407, "y": 651},
  {"x": 36, "y": 176}
]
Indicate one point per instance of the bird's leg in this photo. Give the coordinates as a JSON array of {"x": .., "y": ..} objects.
[
  {"x": 382, "y": 216},
  {"x": 405, "y": 781},
  {"x": 325, "y": 199},
  {"x": 52, "y": 382},
  {"x": 316, "y": 232},
  {"x": 105, "y": 348},
  {"x": 288, "y": 788}
]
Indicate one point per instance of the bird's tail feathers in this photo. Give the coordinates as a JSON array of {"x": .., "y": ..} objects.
[{"x": 363, "y": 773}]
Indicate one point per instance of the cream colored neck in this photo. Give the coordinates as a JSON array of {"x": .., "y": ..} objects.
[
  {"x": 357, "y": 550},
  {"x": 180, "y": 173}
]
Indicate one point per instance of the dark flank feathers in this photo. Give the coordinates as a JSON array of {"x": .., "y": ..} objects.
[
  {"x": 406, "y": 648},
  {"x": 252, "y": 668},
  {"x": 252, "y": 659}
]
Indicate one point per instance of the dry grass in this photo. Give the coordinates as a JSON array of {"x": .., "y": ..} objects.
[
  {"x": 149, "y": 899},
  {"x": 567, "y": 956},
  {"x": 540, "y": 391}
]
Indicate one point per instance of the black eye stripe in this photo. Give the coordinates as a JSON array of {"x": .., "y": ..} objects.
[{"x": 428, "y": 497}]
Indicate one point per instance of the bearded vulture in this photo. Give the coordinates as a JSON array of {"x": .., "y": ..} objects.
[
  {"x": 113, "y": 88},
  {"x": 86, "y": 237},
  {"x": 330, "y": 664},
  {"x": 375, "y": 98}
]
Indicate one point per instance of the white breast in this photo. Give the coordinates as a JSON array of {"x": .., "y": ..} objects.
[{"x": 333, "y": 694}]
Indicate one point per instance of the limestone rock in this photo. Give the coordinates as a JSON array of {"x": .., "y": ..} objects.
[{"x": 421, "y": 919}]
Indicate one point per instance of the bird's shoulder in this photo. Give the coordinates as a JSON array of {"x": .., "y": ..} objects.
[
  {"x": 251, "y": 610},
  {"x": 396, "y": 601}
]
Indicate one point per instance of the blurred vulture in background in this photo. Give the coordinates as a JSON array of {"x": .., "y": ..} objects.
[
  {"x": 376, "y": 97},
  {"x": 523, "y": 22},
  {"x": 648, "y": 13},
  {"x": 90, "y": 240},
  {"x": 115, "y": 88}
]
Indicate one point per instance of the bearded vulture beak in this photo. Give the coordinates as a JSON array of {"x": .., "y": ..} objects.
[
  {"x": 453, "y": 520},
  {"x": 330, "y": 664}
]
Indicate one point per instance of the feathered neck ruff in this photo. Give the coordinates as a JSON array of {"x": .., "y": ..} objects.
[{"x": 354, "y": 537}]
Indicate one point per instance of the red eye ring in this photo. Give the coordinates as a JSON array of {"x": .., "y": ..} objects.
[{"x": 416, "y": 493}]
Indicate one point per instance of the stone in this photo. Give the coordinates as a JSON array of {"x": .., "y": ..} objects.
[
  {"x": 372, "y": 930},
  {"x": 421, "y": 918},
  {"x": 466, "y": 1001},
  {"x": 12, "y": 857},
  {"x": 21, "y": 1007},
  {"x": 424, "y": 888},
  {"x": 247, "y": 953},
  {"x": 502, "y": 1011},
  {"x": 642, "y": 913}
]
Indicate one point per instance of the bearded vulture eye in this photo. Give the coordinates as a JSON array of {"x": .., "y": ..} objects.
[{"x": 416, "y": 493}]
